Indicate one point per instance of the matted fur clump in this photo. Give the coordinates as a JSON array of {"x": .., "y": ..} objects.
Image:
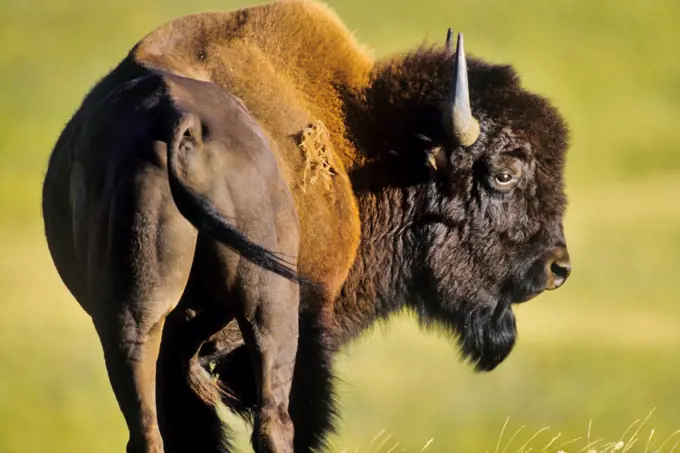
[{"x": 314, "y": 141}]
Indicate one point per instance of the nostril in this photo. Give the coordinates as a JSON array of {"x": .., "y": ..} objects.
[
  {"x": 557, "y": 268},
  {"x": 560, "y": 271}
]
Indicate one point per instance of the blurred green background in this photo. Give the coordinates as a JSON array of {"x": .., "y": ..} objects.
[{"x": 604, "y": 348}]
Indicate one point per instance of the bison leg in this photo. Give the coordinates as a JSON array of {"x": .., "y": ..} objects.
[
  {"x": 187, "y": 395},
  {"x": 130, "y": 351},
  {"x": 269, "y": 325},
  {"x": 140, "y": 267},
  {"x": 312, "y": 403}
]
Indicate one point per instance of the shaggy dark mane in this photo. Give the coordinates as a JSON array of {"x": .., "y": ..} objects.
[{"x": 406, "y": 92}]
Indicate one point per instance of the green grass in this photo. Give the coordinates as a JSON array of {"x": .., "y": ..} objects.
[{"x": 603, "y": 348}]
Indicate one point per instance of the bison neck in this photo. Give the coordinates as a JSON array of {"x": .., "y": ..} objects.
[
  {"x": 402, "y": 100},
  {"x": 379, "y": 282},
  {"x": 389, "y": 177}
]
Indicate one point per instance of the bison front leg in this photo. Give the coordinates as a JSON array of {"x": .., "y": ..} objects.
[
  {"x": 312, "y": 403},
  {"x": 269, "y": 325}
]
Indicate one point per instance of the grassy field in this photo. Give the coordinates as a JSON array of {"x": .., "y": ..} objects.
[{"x": 604, "y": 348}]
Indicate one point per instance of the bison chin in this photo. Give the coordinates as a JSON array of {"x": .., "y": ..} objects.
[{"x": 486, "y": 337}]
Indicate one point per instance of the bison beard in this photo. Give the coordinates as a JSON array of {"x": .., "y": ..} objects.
[
  {"x": 487, "y": 333},
  {"x": 486, "y": 337}
]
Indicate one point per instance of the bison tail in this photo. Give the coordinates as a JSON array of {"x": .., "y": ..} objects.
[{"x": 203, "y": 214}]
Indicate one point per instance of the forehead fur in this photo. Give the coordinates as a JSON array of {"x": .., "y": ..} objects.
[
  {"x": 498, "y": 96},
  {"x": 420, "y": 81}
]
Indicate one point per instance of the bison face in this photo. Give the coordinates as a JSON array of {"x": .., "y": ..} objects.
[{"x": 492, "y": 218}]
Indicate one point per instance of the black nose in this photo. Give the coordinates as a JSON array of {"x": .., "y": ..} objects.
[{"x": 557, "y": 268}]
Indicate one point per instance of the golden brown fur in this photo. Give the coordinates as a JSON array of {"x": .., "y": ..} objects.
[{"x": 289, "y": 82}]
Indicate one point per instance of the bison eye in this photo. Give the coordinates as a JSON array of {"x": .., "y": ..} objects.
[{"x": 504, "y": 178}]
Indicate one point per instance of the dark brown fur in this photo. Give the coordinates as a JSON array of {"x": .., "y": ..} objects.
[{"x": 391, "y": 213}]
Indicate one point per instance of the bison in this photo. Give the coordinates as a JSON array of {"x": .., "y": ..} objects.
[{"x": 247, "y": 191}]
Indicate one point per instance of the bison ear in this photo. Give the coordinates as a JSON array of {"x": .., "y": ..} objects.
[
  {"x": 435, "y": 156},
  {"x": 437, "y": 160},
  {"x": 188, "y": 131}
]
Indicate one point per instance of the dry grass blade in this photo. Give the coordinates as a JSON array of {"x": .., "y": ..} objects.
[
  {"x": 500, "y": 437},
  {"x": 675, "y": 445},
  {"x": 629, "y": 446},
  {"x": 426, "y": 445},
  {"x": 513, "y": 438},
  {"x": 633, "y": 438},
  {"x": 576, "y": 439},
  {"x": 377, "y": 436},
  {"x": 589, "y": 446},
  {"x": 552, "y": 441},
  {"x": 381, "y": 444},
  {"x": 629, "y": 428},
  {"x": 649, "y": 441},
  {"x": 391, "y": 450},
  {"x": 667, "y": 440},
  {"x": 521, "y": 449},
  {"x": 607, "y": 447}
]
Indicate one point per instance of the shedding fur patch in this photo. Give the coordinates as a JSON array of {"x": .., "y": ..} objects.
[{"x": 315, "y": 143}]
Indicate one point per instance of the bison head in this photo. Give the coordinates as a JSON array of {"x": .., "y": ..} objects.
[
  {"x": 485, "y": 164},
  {"x": 492, "y": 219}
]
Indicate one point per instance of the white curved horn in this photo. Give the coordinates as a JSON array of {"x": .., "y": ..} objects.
[{"x": 458, "y": 116}]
